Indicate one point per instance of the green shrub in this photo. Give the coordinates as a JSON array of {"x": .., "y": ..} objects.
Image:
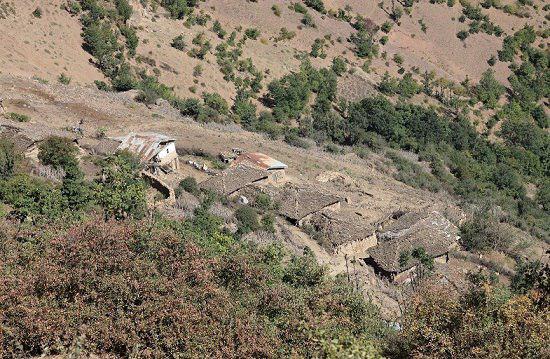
[
  {"x": 216, "y": 102},
  {"x": 316, "y": 5},
  {"x": 8, "y": 158},
  {"x": 131, "y": 37},
  {"x": 32, "y": 199},
  {"x": 124, "y": 9},
  {"x": 188, "y": 184},
  {"x": 252, "y": 33},
  {"x": 58, "y": 152},
  {"x": 489, "y": 90},
  {"x": 64, "y": 79},
  {"x": 248, "y": 219},
  {"x": 18, "y": 117},
  {"x": 120, "y": 190},
  {"x": 37, "y": 13},
  {"x": 178, "y": 43},
  {"x": 339, "y": 66}
]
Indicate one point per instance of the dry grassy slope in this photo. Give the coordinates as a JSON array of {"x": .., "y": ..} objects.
[
  {"x": 51, "y": 45},
  {"x": 44, "y": 47}
]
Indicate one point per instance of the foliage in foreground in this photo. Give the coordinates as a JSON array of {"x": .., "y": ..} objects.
[
  {"x": 132, "y": 289},
  {"x": 485, "y": 322}
]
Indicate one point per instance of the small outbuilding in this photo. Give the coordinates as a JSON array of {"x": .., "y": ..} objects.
[
  {"x": 233, "y": 179},
  {"x": 275, "y": 168}
]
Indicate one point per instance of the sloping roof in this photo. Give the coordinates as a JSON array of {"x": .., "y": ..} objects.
[
  {"x": 411, "y": 221},
  {"x": 145, "y": 145},
  {"x": 233, "y": 179},
  {"x": 429, "y": 230},
  {"x": 103, "y": 147},
  {"x": 342, "y": 229},
  {"x": 260, "y": 160},
  {"x": 298, "y": 202}
]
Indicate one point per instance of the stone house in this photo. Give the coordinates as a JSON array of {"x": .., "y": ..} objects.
[
  {"x": 342, "y": 232},
  {"x": 428, "y": 230},
  {"x": 297, "y": 204}
]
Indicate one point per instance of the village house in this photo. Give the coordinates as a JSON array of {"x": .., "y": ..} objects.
[
  {"x": 297, "y": 203},
  {"x": 156, "y": 151},
  {"x": 426, "y": 230},
  {"x": 275, "y": 168},
  {"x": 342, "y": 232},
  {"x": 233, "y": 179}
]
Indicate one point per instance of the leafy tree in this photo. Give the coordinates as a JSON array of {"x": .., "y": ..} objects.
[
  {"x": 188, "y": 184},
  {"x": 75, "y": 189},
  {"x": 316, "y": 5},
  {"x": 216, "y": 103},
  {"x": 489, "y": 90},
  {"x": 124, "y": 9},
  {"x": 248, "y": 219},
  {"x": 32, "y": 199},
  {"x": 178, "y": 43},
  {"x": 543, "y": 196},
  {"x": 179, "y": 8},
  {"x": 288, "y": 96},
  {"x": 365, "y": 46},
  {"x": 339, "y": 66},
  {"x": 101, "y": 42},
  {"x": 485, "y": 321},
  {"x": 58, "y": 152},
  {"x": 8, "y": 158},
  {"x": 120, "y": 190},
  {"x": 132, "y": 39}
]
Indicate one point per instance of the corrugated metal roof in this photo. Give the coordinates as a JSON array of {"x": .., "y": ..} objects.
[
  {"x": 144, "y": 145},
  {"x": 261, "y": 161}
]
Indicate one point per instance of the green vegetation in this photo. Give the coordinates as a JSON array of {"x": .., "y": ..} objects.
[
  {"x": 178, "y": 9},
  {"x": 37, "y": 13},
  {"x": 18, "y": 117},
  {"x": 8, "y": 158},
  {"x": 64, "y": 79},
  {"x": 161, "y": 274},
  {"x": 178, "y": 43},
  {"x": 484, "y": 321},
  {"x": 121, "y": 191},
  {"x": 317, "y": 5},
  {"x": 489, "y": 90},
  {"x": 252, "y": 33},
  {"x": 189, "y": 185}
]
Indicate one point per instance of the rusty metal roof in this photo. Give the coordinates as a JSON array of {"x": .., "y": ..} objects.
[
  {"x": 261, "y": 161},
  {"x": 144, "y": 145}
]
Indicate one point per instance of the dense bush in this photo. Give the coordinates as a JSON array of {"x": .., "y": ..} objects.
[
  {"x": 489, "y": 90},
  {"x": 485, "y": 321},
  {"x": 120, "y": 190},
  {"x": 188, "y": 184},
  {"x": 178, "y": 43},
  {"x": 58, "y": 152},
  {"x": 178, "y": 9},
  {"x": 316, "y": 5},
  {"x": 8, "y": 157},
  {"x": 128, "y": 289}
]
